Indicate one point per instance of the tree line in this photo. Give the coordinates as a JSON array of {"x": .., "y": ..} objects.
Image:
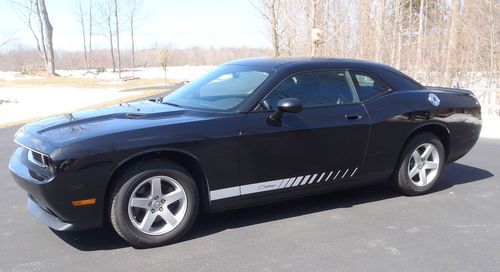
[
  {"x": 448, "y": 42},
  {"x": 114, "y": 19},
  {"x": 28, "y": 60},
  {"x": 108, "y": 15}
]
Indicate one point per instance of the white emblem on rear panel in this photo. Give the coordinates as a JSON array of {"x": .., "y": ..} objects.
[{"x": 434, "y": 99}]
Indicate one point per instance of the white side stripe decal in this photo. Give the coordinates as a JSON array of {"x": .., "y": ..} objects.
[
  {"x": 283, "y": 183},
  {"x": 306, "y": 178},
  {"x": 354, "y": 171},
  {"x": 274, "y": 185},
  {"x": 320, "y": 177},
  {"x": 297, "y": 181},
  {"x": 329, "y": 175},
  {"x": 260, "y": 187},
  {"x": 345, "y": 172},
  {"x": 225, "y": 193},
  {"x": 312, "y": 179},
  {"x": 336, "y": 175},
  {"x": 290, "y": 182}
]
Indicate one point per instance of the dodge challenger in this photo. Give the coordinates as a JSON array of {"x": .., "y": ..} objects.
[{"x": 249, "y": 132}]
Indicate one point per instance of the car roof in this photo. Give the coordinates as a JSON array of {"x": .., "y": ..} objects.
[
  {"x": 297, "y": 62},
  {"x": 391, "y": 76}
]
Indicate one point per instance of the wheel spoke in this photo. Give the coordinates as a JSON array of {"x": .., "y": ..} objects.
[
  {"x": 414, "y": 171},
  {"x": 139, "y": 202},
  {"x": 173, "y": 196},
  {"x": 147, "y": 221},
  {"x": 168, "y": 217},
  {"x": 427, "y": 152},
  {"x": 156, "y": 187},
  {"x": 431, "y": 165},
  {"x": 416, "y": 157},
  {"x": 423, "y": 177}
]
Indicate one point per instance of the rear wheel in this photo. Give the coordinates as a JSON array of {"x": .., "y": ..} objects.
[
  {"x": 154, "y": 203},
  {"x": 420, "y": 165}
]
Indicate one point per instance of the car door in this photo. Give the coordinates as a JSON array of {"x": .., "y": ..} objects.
[{"x": 323, "y": 144}]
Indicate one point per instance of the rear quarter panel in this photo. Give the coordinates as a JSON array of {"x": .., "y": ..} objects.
[{"x": 397, "y": 115}]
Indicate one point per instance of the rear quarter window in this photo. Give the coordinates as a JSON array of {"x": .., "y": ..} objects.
[
  {"x": 367, "y": 86},
  {"x": 398, "y": 80}
]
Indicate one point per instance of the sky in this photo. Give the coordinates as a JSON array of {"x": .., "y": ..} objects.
[{"x": 176, "y": 23}]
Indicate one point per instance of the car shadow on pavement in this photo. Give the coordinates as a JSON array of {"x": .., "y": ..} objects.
[
  {"x": 95, "y": 239},
  {"x": 207, "y": 224}
]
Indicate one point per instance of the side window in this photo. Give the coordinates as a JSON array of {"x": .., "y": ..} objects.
[
  {"x": 314, "y": 89},
  {"x": 366, "y": 85}
]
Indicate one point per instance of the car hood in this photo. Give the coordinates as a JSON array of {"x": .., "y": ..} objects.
[{"x": 56, "y": 131}]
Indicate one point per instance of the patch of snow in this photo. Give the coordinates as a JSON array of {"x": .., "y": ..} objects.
[
  {"x": 39, "y": 102},
  {"x": 491, "y": 127}
]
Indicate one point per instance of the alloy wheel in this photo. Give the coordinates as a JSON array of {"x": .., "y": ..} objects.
[
  {"x": 423, "y": 165},
  {"x": 157, "y": 205}
]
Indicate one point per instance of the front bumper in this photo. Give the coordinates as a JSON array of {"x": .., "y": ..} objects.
[
  {"x": 50, "y": 196},
  {"x": 48, "y": 218}
]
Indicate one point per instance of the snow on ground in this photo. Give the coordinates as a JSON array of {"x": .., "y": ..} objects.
[
  {"x": 28, "y": 103},
  {"x": 18, "y": 104},
  {"x": 491, "y": 127}
]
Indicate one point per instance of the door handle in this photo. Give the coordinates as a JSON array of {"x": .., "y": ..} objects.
[{"x": 353, "y": 116}]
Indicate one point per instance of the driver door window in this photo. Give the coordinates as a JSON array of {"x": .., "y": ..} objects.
[{"x": 314, "y": 89}]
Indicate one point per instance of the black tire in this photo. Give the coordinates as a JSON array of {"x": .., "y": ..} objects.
[
  {"x": 124, "y": 186},
  {"x": 401, "y": 179}
]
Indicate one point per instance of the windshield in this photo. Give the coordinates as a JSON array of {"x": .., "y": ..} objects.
[{"x": 223, "y": 89}]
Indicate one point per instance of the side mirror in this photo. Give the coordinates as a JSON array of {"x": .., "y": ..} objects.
[{"x": 291, "y": 105}]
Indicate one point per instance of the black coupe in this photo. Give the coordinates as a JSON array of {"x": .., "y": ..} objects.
[{"x": 249, "y": 132}]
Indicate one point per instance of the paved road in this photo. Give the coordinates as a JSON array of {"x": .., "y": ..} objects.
[{"x": 456, "y": 228}]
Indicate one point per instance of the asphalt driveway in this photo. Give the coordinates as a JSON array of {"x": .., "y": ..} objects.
[{"x": 456, "y": 228}]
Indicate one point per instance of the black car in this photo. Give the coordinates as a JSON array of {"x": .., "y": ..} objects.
[{"x": 249, "y": 132}]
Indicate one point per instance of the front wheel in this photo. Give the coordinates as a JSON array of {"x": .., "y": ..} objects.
[
  {"x": 420, "y": 165},
  {"x": 153, "y": 204}
]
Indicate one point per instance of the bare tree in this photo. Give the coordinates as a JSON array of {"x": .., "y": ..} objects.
[
  {"x": 315, "y": 32},
  {"x": 452, "y": 42},
  {"x": 270, "y": 12},
  {"x": 117, "y": 29},
  {"x": 421, "y": 19},
  {"x": 91, "y": 23},
  {"x": 47, "y": 34},
  {"x": 132, "y": 17},
  {"x": 398, "y": 33},
  {"x": 163, "y": 56},
  {"x": 81, "y": 19},
  {"x": 493, "y": 42},
  {"x": 106, "y": 22},
  {"x": 34, "y": 15},
  {"x": 379, "y": 16}
]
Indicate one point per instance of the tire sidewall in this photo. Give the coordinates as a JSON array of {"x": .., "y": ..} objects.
[
  {"x": 403, "y": 180},
  {"x": 120, "y": 202}
]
